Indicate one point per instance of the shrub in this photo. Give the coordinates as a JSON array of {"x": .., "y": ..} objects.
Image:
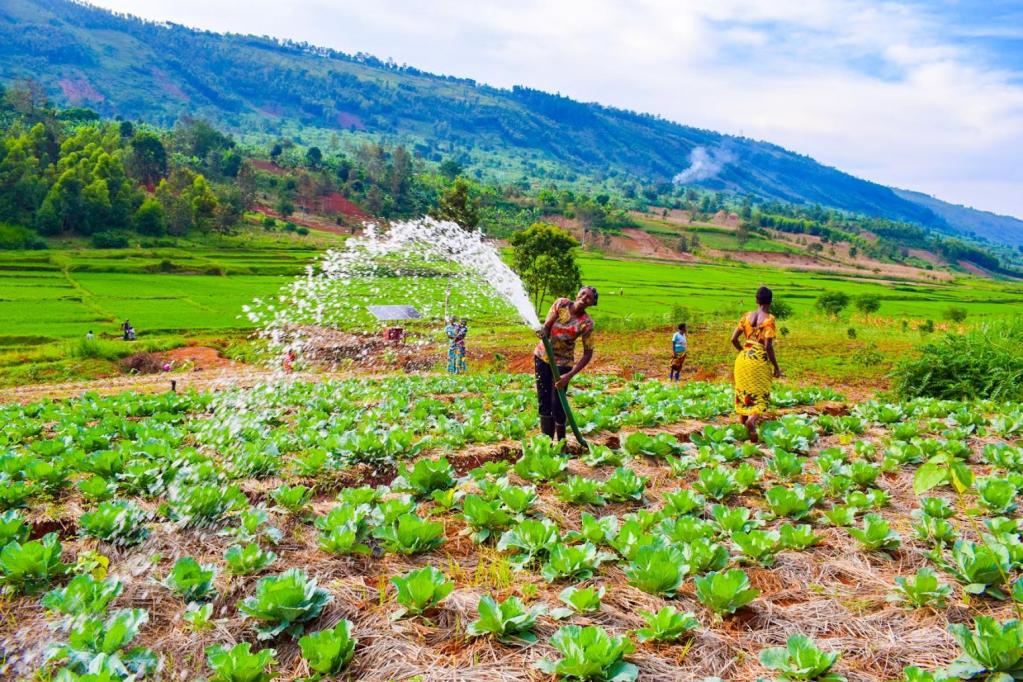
[
  {"x": 17, "y": 237},
  {"x": 955, "y": 313},
  {"x": 110, "y": 240},
  {"x": 984, "y": 362},
  {"x": 833, "y": 302},
  {"x": 142, "y": 363},
  {"x": 781, "y": 309}
]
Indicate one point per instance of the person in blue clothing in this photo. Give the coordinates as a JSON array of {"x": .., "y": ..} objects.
[
  {"x": 679, "y": 348},
  {"x": 456, "y": 331}
]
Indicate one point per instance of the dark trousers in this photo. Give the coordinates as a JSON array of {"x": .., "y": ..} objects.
[{"x": 546, "y": 397}]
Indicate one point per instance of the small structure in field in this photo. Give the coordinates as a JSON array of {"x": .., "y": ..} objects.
[{"x": 392, "y": 314}]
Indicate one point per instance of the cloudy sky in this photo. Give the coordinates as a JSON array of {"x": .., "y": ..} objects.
[{"x": 924, "y": 95}]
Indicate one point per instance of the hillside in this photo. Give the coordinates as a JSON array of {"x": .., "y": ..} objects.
[
  {"x": 999, "y": 229},
  {"x": 122, "y": 66}
]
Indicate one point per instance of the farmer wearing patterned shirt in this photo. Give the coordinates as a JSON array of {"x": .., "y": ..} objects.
[{"x": 566, "y": 322}]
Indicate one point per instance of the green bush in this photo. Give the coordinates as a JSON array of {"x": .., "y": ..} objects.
[
  {"x": 985, "y": 362},
  {"x": 832, "y": 302},
  {"x": 955, "y": 313},
  {"x": 110, "y": 240},
  {"x": 17, "y": 237}
]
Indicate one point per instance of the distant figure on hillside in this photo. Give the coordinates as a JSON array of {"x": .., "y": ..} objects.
[
  {"x": 566, "y": 322},
  {"x": 755, "y": 365},
  {"x": 125, "y": 326},
  {"x": 89, "y": 336},
  {"x": 456, "y": 331},
  {"x": 679, "y": 347}
]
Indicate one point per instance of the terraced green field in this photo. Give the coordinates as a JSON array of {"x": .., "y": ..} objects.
[{"x": 63, "y": 294}]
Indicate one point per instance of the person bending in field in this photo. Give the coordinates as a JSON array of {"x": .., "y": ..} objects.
[
  {"x": 679, "y": 347},
  {"x": 756, "y": 365},
  {"x": 566, "y": 322}
]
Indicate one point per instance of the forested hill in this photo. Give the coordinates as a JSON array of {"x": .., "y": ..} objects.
[{"x": 123, "y": 66}]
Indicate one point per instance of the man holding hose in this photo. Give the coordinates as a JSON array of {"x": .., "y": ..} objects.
[{"x": 566, "y": 322}]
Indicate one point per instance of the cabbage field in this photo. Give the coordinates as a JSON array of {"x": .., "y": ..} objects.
[{"x": 414, "y": 528}]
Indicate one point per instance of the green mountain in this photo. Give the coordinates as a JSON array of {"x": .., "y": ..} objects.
[
  {"x": 124, "y": 66},
  {"x": 999, "y": 229}
]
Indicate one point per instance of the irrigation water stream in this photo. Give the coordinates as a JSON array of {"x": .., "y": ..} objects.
[{"x": 399, "y": 264}]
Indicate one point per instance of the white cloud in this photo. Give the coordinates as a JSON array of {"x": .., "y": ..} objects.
[{"x": 873, "y": 88}]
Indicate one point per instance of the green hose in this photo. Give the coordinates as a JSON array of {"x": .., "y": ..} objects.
[{"x": 561, "y": 392}]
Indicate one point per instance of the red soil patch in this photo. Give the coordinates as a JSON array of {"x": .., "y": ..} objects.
[
  {"x": 645, "y": 244},
  {"x": 267, "y": 166},
  {"x": 198, "y": 357},
  {"x": 313, "y": 222},
  {"x": 80, "y": 90},
  {"x": 168, "y": 85},
  {"x": 347, "y": 120},
  {"x": 334, "y": 203}
]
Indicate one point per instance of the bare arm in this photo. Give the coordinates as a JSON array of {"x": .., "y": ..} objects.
[
  {"x": 579, "y": 366},
  {"x": 770, "y": 356},
  {"x": 735, "y": 339}
]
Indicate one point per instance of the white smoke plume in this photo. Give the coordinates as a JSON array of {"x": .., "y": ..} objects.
[{"x": 704, "y": 164}]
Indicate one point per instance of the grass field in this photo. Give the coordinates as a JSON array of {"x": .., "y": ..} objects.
[
  {"x": 175, "y": 293},
  {"x": 63, "y": 294}
]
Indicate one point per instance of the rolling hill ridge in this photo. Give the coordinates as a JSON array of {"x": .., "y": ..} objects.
[{"x": 124, "y": 66}]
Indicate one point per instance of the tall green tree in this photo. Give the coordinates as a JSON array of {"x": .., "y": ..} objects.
[
  {"x": 833, "y": 302},
  {"x": 544, "y": 257},
  {"x": 458, "y": 205},
  {"x": 148, "y": 159},
  {"x": 868, "y": 304}
]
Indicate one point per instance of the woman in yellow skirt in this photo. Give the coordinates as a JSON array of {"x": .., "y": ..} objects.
[{"x": 755, "y": 366}]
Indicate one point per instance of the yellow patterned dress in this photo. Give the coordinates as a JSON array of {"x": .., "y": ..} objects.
[{"x": 753, "y": 369}]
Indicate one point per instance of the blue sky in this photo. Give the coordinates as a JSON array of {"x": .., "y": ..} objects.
[{"x": 921, "y": 95}]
